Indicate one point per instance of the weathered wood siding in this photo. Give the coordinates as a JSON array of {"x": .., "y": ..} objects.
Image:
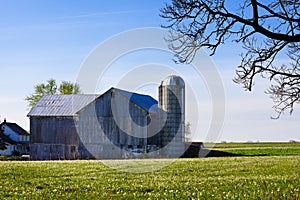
[{"x": 53, "y": 138}]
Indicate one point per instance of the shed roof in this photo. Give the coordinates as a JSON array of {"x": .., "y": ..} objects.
[{"x": 61, "y": 105}]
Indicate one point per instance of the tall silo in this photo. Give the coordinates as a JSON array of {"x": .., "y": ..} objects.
[{"x": 172, "y": 103}]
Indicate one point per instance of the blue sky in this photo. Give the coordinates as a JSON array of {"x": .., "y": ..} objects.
[{"x": 40, "y": 40}]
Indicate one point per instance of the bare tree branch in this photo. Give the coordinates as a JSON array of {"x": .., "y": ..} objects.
[{"x": 265, "y": 30}]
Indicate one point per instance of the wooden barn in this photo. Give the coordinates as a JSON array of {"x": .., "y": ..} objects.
[{"x": 116, "y": 124}]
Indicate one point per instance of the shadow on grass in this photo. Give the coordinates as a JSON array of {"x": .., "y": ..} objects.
[
  {"x": 216, "y": 153},
  {"x": 201, "y": 153}
]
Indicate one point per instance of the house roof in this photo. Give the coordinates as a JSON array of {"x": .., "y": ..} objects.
[
  {"x": 61, "y": 105},
  {"x": 70, "y": 105},
  {"x": 15, "y": 127}
]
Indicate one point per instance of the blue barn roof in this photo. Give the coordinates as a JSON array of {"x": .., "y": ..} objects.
[{"x": 146, "y": 102}]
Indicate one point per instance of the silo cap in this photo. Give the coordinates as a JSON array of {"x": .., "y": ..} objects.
[{"x": 173, "y": 80}]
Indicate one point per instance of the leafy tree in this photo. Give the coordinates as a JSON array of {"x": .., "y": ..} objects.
[
  {"x": 69, "y": 88},
  {"x": 265, "y": 29},
  {"x": 51, "y": 88}
]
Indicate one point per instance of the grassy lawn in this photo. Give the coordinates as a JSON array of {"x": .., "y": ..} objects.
[
  {"x": 253, "y": 145},
  {"x": 257, "y": 149},
  {"x": 261, "y": 177},
  {"x": 263, "y": 151}
]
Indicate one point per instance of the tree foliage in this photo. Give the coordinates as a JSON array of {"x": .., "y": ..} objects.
[
  {"x": 266, "y": 31},
  {"x": 51, "y": 88},
  {"x": 68, "y": 88}
]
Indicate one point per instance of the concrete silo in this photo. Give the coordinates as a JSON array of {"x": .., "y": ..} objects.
[{"x": 172, "y": 103}]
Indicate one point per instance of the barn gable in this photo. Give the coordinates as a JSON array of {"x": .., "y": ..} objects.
[{"x": 114, "y": 119}]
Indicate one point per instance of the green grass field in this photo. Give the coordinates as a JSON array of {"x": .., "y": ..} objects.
[
  {"x": 241, "y": 177},
  {"x": 258, "y": 149},
  {"x": 253, "y": 145}
]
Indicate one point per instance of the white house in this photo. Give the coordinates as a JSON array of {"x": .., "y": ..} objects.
[{"x": 16, "y": 138}]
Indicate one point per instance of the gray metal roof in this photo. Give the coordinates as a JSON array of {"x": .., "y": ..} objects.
[{"x": 61, "y": 105}]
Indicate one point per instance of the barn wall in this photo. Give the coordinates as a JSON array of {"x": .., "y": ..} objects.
[
  {"x": 154, "y": 133},
  {"x": 53, "y": 138}
]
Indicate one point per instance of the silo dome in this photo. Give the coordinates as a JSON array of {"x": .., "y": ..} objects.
[{"x": 173, "y": 80}]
